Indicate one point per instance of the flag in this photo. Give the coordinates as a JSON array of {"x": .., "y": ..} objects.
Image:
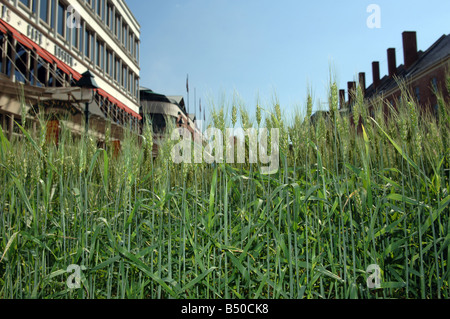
[
  {"x": 187, "y": 83},
  {"x": 200, "y": 103}
]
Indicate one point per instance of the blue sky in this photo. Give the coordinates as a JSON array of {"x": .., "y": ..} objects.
[{"x": 267, "y": 47}]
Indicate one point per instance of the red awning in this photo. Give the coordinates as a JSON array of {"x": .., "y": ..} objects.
[
  {"x": 44, "y": 54},
  {"x": 2, "y": 28},
  {"x": 16, "y": 34},
  {"x": 118, "y": 103},
  {"x": 47, "y": 56},
  {"x": 41, "y": 52}
]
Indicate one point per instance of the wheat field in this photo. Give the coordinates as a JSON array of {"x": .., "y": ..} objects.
[{"x": 345, "y": 197}]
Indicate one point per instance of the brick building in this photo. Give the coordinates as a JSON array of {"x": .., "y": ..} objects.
[{"x": 423, "y": 72}]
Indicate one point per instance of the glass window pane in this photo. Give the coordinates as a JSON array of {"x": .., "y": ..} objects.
[
  {"x": 26, "y": 2},
  {"x": 44, "y": 10},
  {"x": 102, "y": 51},
  {"x": 61, "y": 20},
  {"x": 99, "y": 7},
  {"x": 81, "y": 35},
  {"x": 68, "y": 33},
  {"x": 92, "y": 54},
  {"x": 52, "y": 14},
  {"x": 86, "y": 43},
  {"x": 75, "y": 37}
]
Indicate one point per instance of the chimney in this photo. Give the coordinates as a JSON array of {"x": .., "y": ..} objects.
[
  {"x": 362, "y": 82},
  {"x": 351, "y": 92},
  {"x": 410, "y": 53},
  {"x": 342, "y": 98},
  {"x": 376, "y": 74},
  {"x": 392, "y": 62}
]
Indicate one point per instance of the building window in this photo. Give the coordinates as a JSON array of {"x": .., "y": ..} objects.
[
  {"x": 107, "y": 66},
  {"x": 118, "y": 27},
  {"x": 44, "y": 14},
  {"x": 99, "y": 8},
  {"x": 434, "y": 85},
  {"x": 52, "y": 14},
  {"x": 137, "y": 88},
  {"x": 102, "y": 59},
  {"x": 81, "y": 36},
  {"x": 117, "y": 71},
  {"x": 27, "y": 3},
  {"x": 97, "y": 57},
  {"x": 109, "y": 63},
  {"x": 75, "y": 37},
  {"x": 136, "y": 50},
  {"x": 21, "y": 63},
  {"x": 131, "y": 43},
  {"x": 100, "y": 51},
  {"x": 103, "y": 10},
  {"x": 89, "y": 47},
  {"x": 30, "y": 4},
  {"x": 124, "y": 77},
  {"x": 68, "y": 29},
  {"x": 417, "y": 93},
  {"x": 92, "y": 47},
  {"x": 124, "y": 35},
  {"x": 61, "y": 21},
  {"x": 86, "y": 43},
  {"x": 109, "y": 16},
  {"x": 131, "y": 85}
]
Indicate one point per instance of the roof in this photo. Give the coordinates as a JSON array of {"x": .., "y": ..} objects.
[
  {"x": 439, "y": 51},
  {"x": 178, "y": 99},
  {"x": 142, "y": 88},
  {"x": 149, "y": 95}
]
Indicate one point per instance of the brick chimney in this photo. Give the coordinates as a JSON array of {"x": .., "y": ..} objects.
[
  {"x": 362, "y": 82},
  {"x": 392, "y": 62},
  {"x": 351, "y": 92},
  {"x": 410, "y": 52},
  {"x": 342, "y": 99},
  {"x": 376, "y": 74}
]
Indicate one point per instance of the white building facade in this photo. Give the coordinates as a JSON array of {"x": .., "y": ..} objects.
[{"x": 46, "y": 46}]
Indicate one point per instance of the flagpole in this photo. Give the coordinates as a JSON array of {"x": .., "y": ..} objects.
[
  {"x": 204, "y": 117},
  {"x": 187, "y": 89},
  {"x": 200, "y": 102}
]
